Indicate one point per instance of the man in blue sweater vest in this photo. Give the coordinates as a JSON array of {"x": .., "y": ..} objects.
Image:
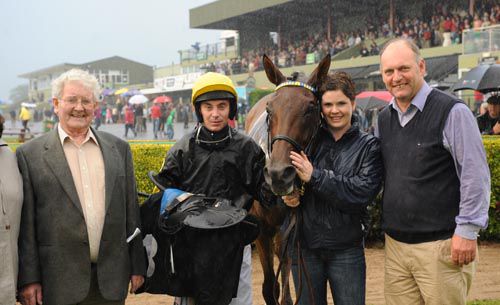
[{"x": 437, "y": 185}]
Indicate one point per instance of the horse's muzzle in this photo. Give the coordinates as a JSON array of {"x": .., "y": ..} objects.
[{"x": 280, "y": 178}]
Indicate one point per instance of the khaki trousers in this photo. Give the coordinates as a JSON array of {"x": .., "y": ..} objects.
[{"x": 423, "y": 273}]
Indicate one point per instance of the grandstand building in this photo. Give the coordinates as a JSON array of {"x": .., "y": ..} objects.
[
  {"x": 296, "y": 34},
  {"x": 113, "y": 72}
]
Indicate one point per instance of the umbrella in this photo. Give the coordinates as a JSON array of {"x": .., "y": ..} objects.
[
  {"x": 107, "y": 92},
  {"x": 131, "y": 92},
  {"x": 121, "y": 91},
  {"x": 162, "y": 99},
  {"x": 483, "y": 78},
  {"x": 372, "y": 99},
  {"x": 28, "y": 105},
  {"x": 138, "y": 99}
]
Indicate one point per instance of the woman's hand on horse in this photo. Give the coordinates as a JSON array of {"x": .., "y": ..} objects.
[{"x": 302, "y": 165}]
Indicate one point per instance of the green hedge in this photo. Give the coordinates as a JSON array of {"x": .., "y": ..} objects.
[
  {"x": 150, "y": 157},
  {"x": 492, "y": 146},
  {"x": 147, "y": 157},
  {"x": 256, "y": 95}
]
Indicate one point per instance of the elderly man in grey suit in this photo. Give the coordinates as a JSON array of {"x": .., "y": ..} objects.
[{"x": 79, "y": 240}]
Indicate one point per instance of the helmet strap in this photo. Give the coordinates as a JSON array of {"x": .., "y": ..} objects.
[{"x": 199, "y": 141}]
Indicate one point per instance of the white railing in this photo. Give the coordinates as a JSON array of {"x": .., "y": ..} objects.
[
  {"x": 485, "y": 39},
  {"x": 203, "y": 52}
]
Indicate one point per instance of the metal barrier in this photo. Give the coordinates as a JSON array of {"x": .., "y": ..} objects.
[{"x": 484, "y": 39}]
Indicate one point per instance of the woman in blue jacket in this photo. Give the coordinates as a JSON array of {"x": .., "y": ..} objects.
[{"x": 342, "y": 176}]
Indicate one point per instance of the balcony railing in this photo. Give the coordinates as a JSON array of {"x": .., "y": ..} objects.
[
  {"x": 204, "y": 52},
  {"x": 486, "y": 39}
]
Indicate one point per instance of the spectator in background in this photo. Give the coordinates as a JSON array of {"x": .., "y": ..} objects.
[
  {"x": 155, "y": 117},
  {"x": 163, "y": 118},
  {"x": 129, "y": 120},
  {"x": 478, "y": 99},
  {"x": 25, "y": 117},
  {"x": 187, "y": 112},
  {"x": 139, "y": 118},
  {"x": 11, "y": 201},
  {"x": 13, "y": 118},
  {"x": 97, "y": 117},
  {"x": 109, "y": 115},
  {"x": 477, "y": 22},
  {"x": 170, "y": 122},
  {"x": 374, "y": 49},
  {"x": 438, "y": 36},
  {"x": 426, "y": 33},
  {"x": 364, "y": 51},
  {"x": 115, "y": 114},
  {"x": 489, "y": 122},
  {"x": 483, "y": 108}
]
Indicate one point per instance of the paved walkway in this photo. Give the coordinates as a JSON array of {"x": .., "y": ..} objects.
[{"x": 115, "y": 129}]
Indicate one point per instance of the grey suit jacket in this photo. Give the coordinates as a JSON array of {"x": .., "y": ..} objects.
[
  {"x": 11, "y": 200},
  {"x": 53, "y": 240}
]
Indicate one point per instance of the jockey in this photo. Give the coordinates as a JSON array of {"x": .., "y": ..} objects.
[{"x": 218, "y": 161}]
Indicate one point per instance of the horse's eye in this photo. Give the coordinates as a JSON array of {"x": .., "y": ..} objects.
[{"x": 310, "y": 109}]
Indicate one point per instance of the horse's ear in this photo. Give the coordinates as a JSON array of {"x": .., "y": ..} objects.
[
  {"x": 319, "y": 74},
  {"x": 273, "y": 73}
]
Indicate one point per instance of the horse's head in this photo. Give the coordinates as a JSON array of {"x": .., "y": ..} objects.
[{"x": 293, "y": 118}]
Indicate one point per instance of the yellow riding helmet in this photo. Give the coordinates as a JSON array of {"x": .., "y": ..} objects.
[{"x": 214, "y": 86}]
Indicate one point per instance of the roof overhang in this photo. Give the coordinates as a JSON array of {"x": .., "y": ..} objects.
[
  {"x": 49, "y": 70},
  {"x": 239, "y": 14}
]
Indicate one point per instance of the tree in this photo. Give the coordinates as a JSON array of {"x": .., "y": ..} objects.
[{"x": 19, "y": 94}]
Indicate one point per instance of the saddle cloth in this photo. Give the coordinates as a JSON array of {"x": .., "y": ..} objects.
[{"x": 194, "y": 245}]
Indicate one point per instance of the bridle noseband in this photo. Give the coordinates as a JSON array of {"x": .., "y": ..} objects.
[{"x": 285, "y": 138}]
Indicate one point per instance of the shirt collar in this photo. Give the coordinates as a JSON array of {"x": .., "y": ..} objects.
[
  {"x": 419, "y": 99},
  {"x": 63, "y": 135}
]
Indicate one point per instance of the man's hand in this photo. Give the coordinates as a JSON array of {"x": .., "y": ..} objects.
[
  {"x": 463, "y": 251},
  {"x": 302, "y": 165},
  {"x": 136, "y": 282},
  {"x": 31, "y": 294}
]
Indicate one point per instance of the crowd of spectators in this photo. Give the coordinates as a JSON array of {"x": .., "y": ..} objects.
[{"x": 443, "y": 26}]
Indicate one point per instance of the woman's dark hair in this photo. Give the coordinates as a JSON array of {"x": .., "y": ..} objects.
[
  {"x": 339, "y": 81},
  {"x": 2, "y": 120}
]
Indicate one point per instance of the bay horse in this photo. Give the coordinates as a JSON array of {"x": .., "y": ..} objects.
[{"x": 280, "y": 122}]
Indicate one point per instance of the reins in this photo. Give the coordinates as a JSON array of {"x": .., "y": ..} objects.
[{"x": 290, "y": 235}]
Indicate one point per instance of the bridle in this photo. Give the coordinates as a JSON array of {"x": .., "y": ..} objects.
[{"x": 297, "y": 147}]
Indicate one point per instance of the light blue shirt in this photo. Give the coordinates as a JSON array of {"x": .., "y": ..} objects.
[{"x": 462, "y": 139}]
